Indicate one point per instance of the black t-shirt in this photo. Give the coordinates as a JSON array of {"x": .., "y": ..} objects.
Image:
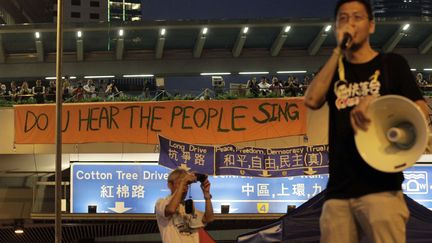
[
  {"x": 38, "y": 89},
  {"x": 350, "y": 175}
]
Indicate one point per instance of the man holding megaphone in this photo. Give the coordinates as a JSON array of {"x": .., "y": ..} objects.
[{"x": 360, "y": 200}]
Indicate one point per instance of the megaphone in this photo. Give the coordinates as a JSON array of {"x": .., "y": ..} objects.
[{"x": 397, "y": 134}]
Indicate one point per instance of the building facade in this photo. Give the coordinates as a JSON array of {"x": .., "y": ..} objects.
[
  {"x": 77, "y": 11},
  {"x": 402, "y": 8},
  {"x": 124, "y": 10}
]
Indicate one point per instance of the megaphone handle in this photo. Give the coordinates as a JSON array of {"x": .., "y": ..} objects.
[{"x": 429, "y": 144}]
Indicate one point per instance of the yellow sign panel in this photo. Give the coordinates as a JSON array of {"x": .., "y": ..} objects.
[{"x": 263, "y": 207}]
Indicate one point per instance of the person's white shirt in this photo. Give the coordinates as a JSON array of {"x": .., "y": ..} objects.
[
  {"x": 180, "y": 227},
  {"x": 90, "y": 89},
  {"x": 264, "y": 86}
]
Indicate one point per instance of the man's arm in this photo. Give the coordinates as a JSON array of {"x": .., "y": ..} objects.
[
  {"x": 108, "y": 88},
  {"x": 317, "y": 90},
  {"x": 359, "y": 119},
  {"x": 177, "y": 197},
  {"x": 86, "y": 88},
  {"x": 424, "y": 108},
  {"x": 208, "y": 214}
]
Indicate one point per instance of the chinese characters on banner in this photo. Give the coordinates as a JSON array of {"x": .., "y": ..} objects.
[
  {"x": 194, "y": 157},
  {"x": 249, "y": 161}
]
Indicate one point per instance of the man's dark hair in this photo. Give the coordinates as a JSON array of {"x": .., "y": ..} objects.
[{"x": 365, "y": 3}]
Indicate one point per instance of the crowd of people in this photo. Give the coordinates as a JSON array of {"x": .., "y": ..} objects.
[
  {"x": 295, "y": 87},
  {"x": 107, "y": 90},
  {"x": 291, "y": 87},
  {"x": 75, "y": 91},
  {"x": 423, "y": 81}
]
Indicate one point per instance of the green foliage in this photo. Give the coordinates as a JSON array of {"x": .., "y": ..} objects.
[
  {"x": 188, "y": 97},
  {"x": 227, "y": 96},
  {"x": 251, "y": 95},
  {"x": 178, "y": 97},
  {"x": 30, "y": 100},
  {"x": 86, "y": 100},
  {"x": 6, "y": 103},
  {"x": 166, "y": 98},
  {"x": 272, "y": 95},
  {"x": 126, "y": 98}
]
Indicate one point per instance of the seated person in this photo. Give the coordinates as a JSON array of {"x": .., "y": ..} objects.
[
  {"x": 39, "y": 92},
  {"x": 78, "y": 92},
  {"x": 206, "y": 95},
  {"x": 112, "y": 91},
  {"x": 67, "y": 90},
  {"x": 14, "y": 91},
  {"x": 419, "y": 80},
  {"x": 3, "y": 91},
  {"x": 264, "y": 86},
  {"x": 146, "y": 89},
  {"x": 25, "y": 92},
  {"x": 290, "y": 87},
  {"x": 51, "y": 91},
  {"x": 90, "y": 89},
  {"x": 301, "y": 87},
  {"x": 252, "y": 87},
  {"x": 276, "y": 87}
]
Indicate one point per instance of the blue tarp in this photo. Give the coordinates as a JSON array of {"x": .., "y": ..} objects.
[{"x": 302, "y": 225}]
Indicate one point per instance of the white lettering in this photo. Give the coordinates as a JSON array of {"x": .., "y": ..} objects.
[
  {"x": 93, "y": 175},
  {"x": 193, "y": 148},
  {"x": 126, "y": 175},
  {"x": 175, "y": 145},
  {"x": 147, "y": 175}
]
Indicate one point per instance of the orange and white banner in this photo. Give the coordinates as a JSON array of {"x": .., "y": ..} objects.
[{"x": 198, "y": 122}]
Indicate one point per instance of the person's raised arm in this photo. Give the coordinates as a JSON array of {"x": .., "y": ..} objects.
[
  {"x": 208, "y": 214},
  {"x": 177, "y": 197},
  {"x": 108, "y": 88},
  {"x": 316, "y": 93}
]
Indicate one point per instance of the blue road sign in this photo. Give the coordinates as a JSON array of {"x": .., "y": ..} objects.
[
  {"x": 135, "y": 188},
  {"x": 418, "y": 184},
  {"x": 117, "y": 187}
]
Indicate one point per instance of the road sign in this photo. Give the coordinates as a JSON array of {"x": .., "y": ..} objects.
[
  {"x": 135, "y": 188},
  {"x": 117, "y": 187},
  {"x": 418, "y": 184}
]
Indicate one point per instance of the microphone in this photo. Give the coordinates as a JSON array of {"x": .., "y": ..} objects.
[{"x": 346, "y": 37}]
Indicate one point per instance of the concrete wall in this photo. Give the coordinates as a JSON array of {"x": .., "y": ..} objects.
[
  {"x": 180, "y": 62},
  {"x": 15, "y": 203}
]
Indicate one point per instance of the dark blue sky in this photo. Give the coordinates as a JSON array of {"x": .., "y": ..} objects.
[{"x": 236, "y": 9}]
